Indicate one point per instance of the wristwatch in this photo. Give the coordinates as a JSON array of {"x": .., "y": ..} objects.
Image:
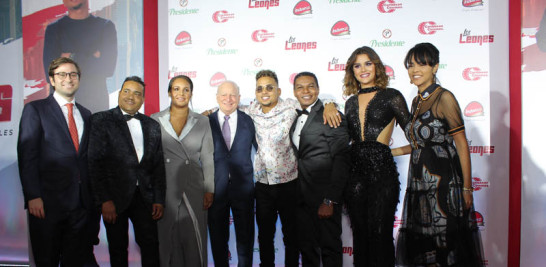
[{"x": 328, "y": 202}]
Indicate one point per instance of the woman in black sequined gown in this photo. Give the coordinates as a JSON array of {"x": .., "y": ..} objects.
[
  {"x": 437, "y": 228},
  {"x": 373, "y": 187}
]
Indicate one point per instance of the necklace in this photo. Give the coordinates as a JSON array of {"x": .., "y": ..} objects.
[
  {"x": 416, "y": 113},
  {"x": 367, "y": 90}
]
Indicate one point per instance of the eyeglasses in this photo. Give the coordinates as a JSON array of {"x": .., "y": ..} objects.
[
  {"x": 73, "y": 75},
  {"x": 268, "y": 88}
]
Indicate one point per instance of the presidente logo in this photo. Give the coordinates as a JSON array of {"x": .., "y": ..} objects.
[
  {"x": 343, "y": 1},
  {"x": 291, "y": 44},
  {"x": 334, "y": 65},
  {"x": 174, "y": 72},
  {"x": 340, "y": 28},
  {"x": 389, "y": 71},
  {"x": 183, "y": 38},
  {"x": 262, "y": 35},
  {"x": 480, "y": 149},
  {"x": 217, "y": 79},
  {"x": 184, "y": 11},
  {"x": 262, "y": 3},
  {"x": 479, "y": 184},
  {"x": 386, "y": 34},
  {"x": 6, "y": 95},
  {"x": 474, "y": 109},
  {"x": 467, "y": 38},
  {"x": 222, "y": 16},
  {"x": 474, "y": 74},
  {"x": 183, "y": 3},
  {"x": 472, "y": 3},
  {"x": 388, "y": 6},
  {"x": 221, "y": 42},
  {"x": 429, "y": 27},
  {"x": 302, "y": 8}
]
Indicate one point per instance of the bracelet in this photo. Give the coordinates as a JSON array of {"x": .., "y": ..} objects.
[{"x": 468, "y": 189}]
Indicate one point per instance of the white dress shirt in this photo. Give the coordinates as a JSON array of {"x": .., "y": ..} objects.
[
  {"x": 232, "y": 123},
  {"x": 299, "y": 126},
  {"x": 136, "y": 134},
  {"x": 77, "y": 115}
]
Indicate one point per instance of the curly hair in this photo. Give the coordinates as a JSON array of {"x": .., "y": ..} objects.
[
  {"x": 267, "y": 73},
  {"x": 351, "y": 84}
]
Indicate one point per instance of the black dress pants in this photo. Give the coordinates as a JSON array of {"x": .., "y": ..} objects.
[
  {"x": 271, "y": 200},
  {"x": 145, "y": 229}
]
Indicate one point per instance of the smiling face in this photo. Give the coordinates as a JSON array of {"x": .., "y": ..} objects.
[
  {"x": 75, "y": 4},
  {"x": 131, "y": 97},
  {"x": 306, "y": 91},
  {"x": 228, "y": 97},
  {"x": 267, "y": 92},
  {"x": 364, "y": 71},
  {"x": 65, "y": 87},
  {"x": 180, "y": 93},
  {"x": 421, "y": 75}
]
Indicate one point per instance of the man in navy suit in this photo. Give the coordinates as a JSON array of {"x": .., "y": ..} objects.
[
  {"x": 127, "y": 174},
  {"x": 52, "y": 154},
  {"x": 233, "y": 135}
]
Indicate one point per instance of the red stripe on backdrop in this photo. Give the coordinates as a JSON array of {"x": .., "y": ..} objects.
[
  {"x": 514, "y": 214},
  {"x": 151, "y": 55}
]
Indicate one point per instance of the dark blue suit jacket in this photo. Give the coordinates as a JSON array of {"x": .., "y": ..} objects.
[
  {"x": 49, "y": 166},
  {"x": 234, "y": 164}
]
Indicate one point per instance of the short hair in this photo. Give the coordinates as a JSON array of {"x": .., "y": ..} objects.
[
  {"x": 350, "y": 84},
  {"x": 58, "y": 62},
  {"x": 231, "y": 82},
  {"x": 306, "y": 73},
  {"x": 180, "y": 77},
  {"x": 267, "y": 73},
  {"x": 137, "y": 80},
  {"x": 424, "y": 54}
]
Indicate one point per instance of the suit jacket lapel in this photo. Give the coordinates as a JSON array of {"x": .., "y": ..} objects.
[
  {"x": 60, "y": 119},
  {"x": 241, "y": 126},
  {"x": 216, "y": 123},
  {"x": 85, "y": 138},
  {"x": 126, "y": 134}
]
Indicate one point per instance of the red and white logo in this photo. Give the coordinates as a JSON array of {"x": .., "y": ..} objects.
[
  {"x": 222, "y": 42},
  {"x": 348, "y": 250},
  {"x": 472, "y": 3},
  {"x": 302, "y": 8},
  {"x": 429, "y": 27},
  {"x": 478, "y": 218},
  {"x": 222, "y": 16},
  {"x": 335, "y": 66},
  {"x": 291, "y": 44},
  {"x": 480, "y": 149},
  {"x": 473, "y": 109},
  {"x": 258, "y": 62},
  {"x": 173, "y": 72},
  {"x": 474, "y": 74},
  {"x": 387, "y": 33},
  {"x": 398, "y": 222},
  {"x": 217, "y": 79},
  {"x": 340, "y": 28},
  {"x": 183, "y": 3},
  {"x": 262, "y": 3},
  {"x": 183, "y": 38},
  {"x": 467, "y": 38},
  {"x": 388, "y": 6},
  {"x": 261, "y": 35},
  {"x": 479, "y": 184},
  {"x": 6, "y": 95},
  {"x": 389, "y": 71}
]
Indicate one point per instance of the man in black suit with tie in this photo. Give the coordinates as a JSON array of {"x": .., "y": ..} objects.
[
  {"x": 127, "y": 174},
  {"x": 233, "y": 136},
  {"x": 322, "y": 171},
  {"x": 52, "y": 156}
]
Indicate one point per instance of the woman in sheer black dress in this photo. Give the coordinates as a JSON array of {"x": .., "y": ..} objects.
[
  {"x": 373, "y": 187},
  {"x": 437, "y": 228}
]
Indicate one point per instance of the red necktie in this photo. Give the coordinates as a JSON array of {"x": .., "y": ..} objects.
[{"x": 72, "y": 126}]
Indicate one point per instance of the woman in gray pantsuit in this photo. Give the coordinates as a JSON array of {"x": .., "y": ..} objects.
[{"x": 189, "y": 164}]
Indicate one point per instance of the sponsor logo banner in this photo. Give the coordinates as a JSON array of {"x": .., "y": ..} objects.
[
  {"x": 340, "y": 28},
  {"x": 174, "y": 72},
  {"x": 429, "y": 27},
  {"x": 333, "y": 65},
  {"x": 302, "y": 8},
  {"x": 291, "y": 44},
  {"x": 479, "y": 184},
  {"x": 6, "y": 97},
  {"x": 183, "y": 38},
  {"x": 388, "y": 6},
  {"x": 262, "y": 3},
  {"x": 472, "y": 3},
  {"x": 262, "y": 35},
  {"x": 217, "y": 79},
  {"x": 467, "y": 38},
  {"x": 474, "y": 74},
  {"x": 474, "y": 109},
  {"x": 222, "y": 16}
]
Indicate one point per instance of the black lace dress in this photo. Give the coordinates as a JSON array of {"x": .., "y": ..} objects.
[
  {"x": 436, "y": 229},
  {"x": 373, "y": 187}
]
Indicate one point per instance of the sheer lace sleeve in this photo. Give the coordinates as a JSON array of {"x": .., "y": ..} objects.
[
  {"x": 400, "y": 108},
  {"x": 448, "y": 109}
]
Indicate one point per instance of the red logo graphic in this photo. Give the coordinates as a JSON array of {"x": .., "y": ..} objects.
[
  {"x": 291, "y": 44},
  {"x": 302, "y": 8},
  {"x": 222, "y": 16},
  {"x": 387, "y": 33},
  {"x": 183, "y": 38},
  {"x": 478, "y": 218},
  {"x": 340, "y": 28},
  {"x": 389, "y": 71},
  {"x": 217, "y": 79},
  {"x": 474, "y": 74},
  {"x": 472, "y": 3},
  {"x": 473, "y": 109},
  {"x": 222, "y": 42},
  {"x": 348, "y": 250},
  {"x": 173, "y": 73},
  {"x": 6, "y": 94},
  {"x": 261, "y": 35},
  {"x": 467, "y": 38},
  {"x": 334, "y": 66},
  {"x": 262, "y": 3},
  {"x": 397, "y": 221},
  {"x": 481, "y": 149},
  {"x": 388, "y": 6},
  {"x": 429, "y": 27},
  {"x": 479, "y": 184},
  {"x": 183, "y": 3}
]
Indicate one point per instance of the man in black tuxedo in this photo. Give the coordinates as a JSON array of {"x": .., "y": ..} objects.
[
  {"x": 322, "y": 171},
  {"x": 233, "y": 136},
  {"x": 52, "y": 154},
  {"x": 127, "y": 174}
]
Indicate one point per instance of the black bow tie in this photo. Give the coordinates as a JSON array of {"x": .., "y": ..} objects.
[
  {"x": 129, "y": 117},
  {"x": 302, "y": 112}
]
